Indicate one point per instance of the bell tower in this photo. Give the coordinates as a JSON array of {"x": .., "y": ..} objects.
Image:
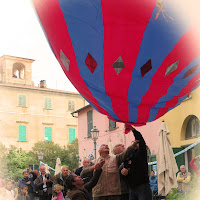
[{"x": 16, "y": 70}]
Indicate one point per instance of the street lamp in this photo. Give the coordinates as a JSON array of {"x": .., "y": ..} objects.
[
  {"x": 40, "y": 156},
  {"x": 95, "y": 135}
]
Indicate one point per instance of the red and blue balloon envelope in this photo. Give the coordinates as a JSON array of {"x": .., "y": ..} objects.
[{"x": 133, "y": 60}]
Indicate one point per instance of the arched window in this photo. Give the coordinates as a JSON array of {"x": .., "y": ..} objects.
[
  {"x": 192, "y": 128},
  {"x": 18, "y": 70}
]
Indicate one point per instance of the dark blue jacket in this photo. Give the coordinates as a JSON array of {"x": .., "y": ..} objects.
[
  {"x": 153, "y": 183},
  {"x": 31, "y": 187}
]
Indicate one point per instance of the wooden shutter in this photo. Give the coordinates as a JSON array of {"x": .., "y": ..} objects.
[
  {"x": 72, "y": 135},
  {"x": 112, "y": 124},
  {"x": 48, "y": 104},
  {"x": 22, "y": 133},
  {"x": 180, "y": 160},
  {"x": 89, "y": 122},
  {"x": 48, "y": 133},
  {"x": 70, "y": 104},
  {"x": 22, "y": 100}
]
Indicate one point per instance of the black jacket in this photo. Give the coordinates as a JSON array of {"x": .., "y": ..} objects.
[
  {"x": 137, "y": 163},
  {"x": 39, "y": 184},
  {"x": 78, "y": 171},
  {"x": 78, "y": 194}
]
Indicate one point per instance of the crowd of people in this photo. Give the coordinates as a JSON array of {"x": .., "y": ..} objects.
[{"x": 123, "y": 176}]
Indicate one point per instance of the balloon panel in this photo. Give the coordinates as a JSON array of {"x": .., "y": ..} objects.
[{"x": 132, "y": 60}]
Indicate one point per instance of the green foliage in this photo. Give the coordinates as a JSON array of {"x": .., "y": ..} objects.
[
  {"x": 68, "y": 155},
  {"x": 14, "y": 161}
]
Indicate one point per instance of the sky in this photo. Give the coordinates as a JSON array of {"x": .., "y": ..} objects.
[{"x": 22, "y": 36}]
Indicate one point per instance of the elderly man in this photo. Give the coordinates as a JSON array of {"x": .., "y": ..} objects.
[
  {"x": 108, "y": 186},
  {"x": 61, "y": 180},
  {"x": 119, "y": 148},
  {"x": 86, "y": 162},
  {"x": 44, "y": 184},
  {"x": 183, "y": 177}
]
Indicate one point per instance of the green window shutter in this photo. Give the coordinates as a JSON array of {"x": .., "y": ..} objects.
[
  {"x": 22, "y": 100},
  {"x": 89, "y": 122},
  {"x": 48, "y": 104},
  {"x": 48, "y": 133},
  {"x": 180, "y": 160},
  {"x": 22, "y": 133},
  {"x": 112, "y": 124},
  {"x": 72, "y": 135}
]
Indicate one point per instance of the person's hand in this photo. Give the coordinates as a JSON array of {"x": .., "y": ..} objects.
[
  {"x": 97, "y": 166},
  {"x": 30, "y": 170},
  {"x": 135, "y": 144},
  {"x": 54, "y": 197},
  {"x": 101, "y": 162},
  {"x": 29, "y": 182},
  {"x": 129, "y": 127},
  {"x": 197, "y": 157},
  {"x": 45, "y": 180},
  {"x": 124, "y": 172}
]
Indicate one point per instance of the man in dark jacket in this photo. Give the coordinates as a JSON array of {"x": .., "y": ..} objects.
[
  {"x": 61, "y": 180},
  {"x": 86, "y": 162},
  {"x": 137, "y": 168},
  {"x": 28, "y": 180},
  {"x": 44, "y": 184},
  {"x": 79, "y": 190}
]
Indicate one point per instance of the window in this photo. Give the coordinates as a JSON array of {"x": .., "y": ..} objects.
[
  {"x": 89, "y": 122},
  {"x": 192, "y": 129},
  {"x": 112, "y": 125},
  {"x": 22, "y": 100},
  {"x": 48, "y": 134},
  {"x": 22, "y": 133},
  {"x": 47, "y": 103},
  {"x": 70, "y": 104},
  {"x": 72, "y": 135}
]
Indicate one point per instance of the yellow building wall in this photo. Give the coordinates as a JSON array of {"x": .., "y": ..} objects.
[
  {"x": 178, "y": 118},
  {"x": 34, "y": 116}
]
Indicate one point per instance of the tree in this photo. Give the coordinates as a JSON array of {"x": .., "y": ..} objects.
[
  {"x": 17, "y": 162},
  {"x": 51, "y": 151}
]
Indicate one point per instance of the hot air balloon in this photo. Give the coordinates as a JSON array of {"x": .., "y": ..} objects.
[{"x": 132, "y": 60}]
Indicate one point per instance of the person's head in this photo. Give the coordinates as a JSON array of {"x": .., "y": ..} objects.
[
  {"x": 8, "y": 184},
  {"x": 42, "y": 169},
  {"x": 24, "y": 189},
  {"x": 57, "y": 188},
  {"x": 25, "y": 174},
  {"x": 104, "y": 150},
  {"x": 152, "y": 173},
  {"x": 118, "y": 148},
  {"x": 74, "y": 181},
  {"x": 86, "y": 162},
  {"x": 182, "y": 168},
  {"x": 64, "y": 171},
  {"x": 36, "y": 172}
]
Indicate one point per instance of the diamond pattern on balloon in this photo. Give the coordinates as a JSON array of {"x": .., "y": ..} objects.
[
  {"x": 190, "y": 71},
  {"x": 118, "y": 65},
  {"x": 171, "y": 68},
  {"x": 91, "y": 63},
  {"x": 146, "y": 67},
  {"x": 65, "y": 60}
]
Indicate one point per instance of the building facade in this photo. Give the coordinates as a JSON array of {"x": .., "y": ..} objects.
[
  {"x": 111, "y": 133},
  {"x": 29, "y": 114},
  {"x": 183, "y": 123}
]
